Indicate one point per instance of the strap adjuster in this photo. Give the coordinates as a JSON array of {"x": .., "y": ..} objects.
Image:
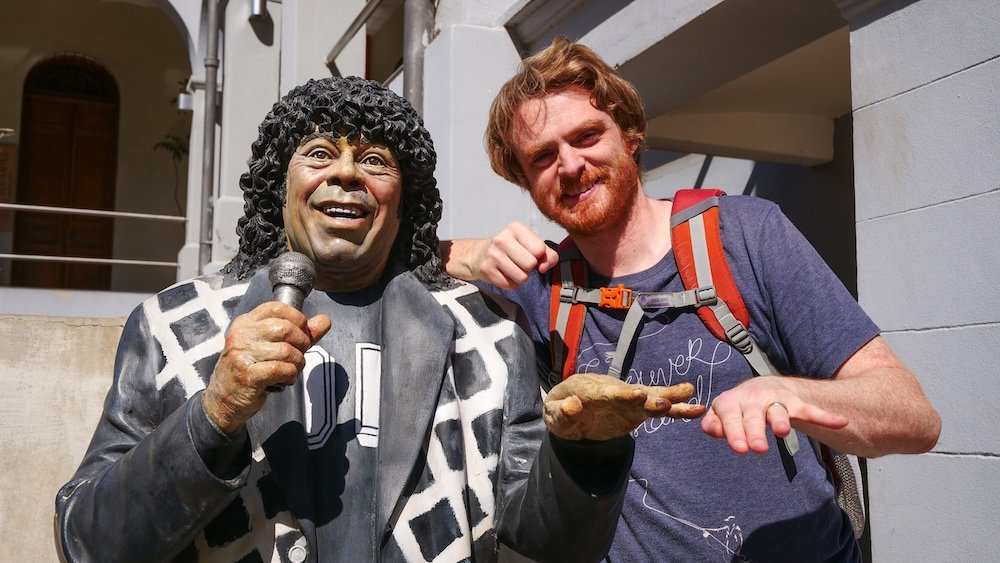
[
  {"x": 567, "y": 294},
  {"x": 740, "y": 338},
  {"x": 705, "y": 296},
  {"x": 616, "y": 297}
]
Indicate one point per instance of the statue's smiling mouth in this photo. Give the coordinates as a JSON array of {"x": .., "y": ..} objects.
[{"x": 344, "y": 212}]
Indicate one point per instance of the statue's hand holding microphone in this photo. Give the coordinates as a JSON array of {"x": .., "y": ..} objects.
[{"x": 265, "y": 348}]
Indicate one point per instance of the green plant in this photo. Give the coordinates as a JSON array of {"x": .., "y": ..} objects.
[{"x": 177, "y": 148}]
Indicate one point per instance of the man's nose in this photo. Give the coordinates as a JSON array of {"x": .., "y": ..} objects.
[
  {"x": 571, "y": 163},
  {"x": 344, "y": 172}
]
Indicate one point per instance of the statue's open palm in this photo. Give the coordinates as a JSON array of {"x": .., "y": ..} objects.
[{"x": 589, "y": 406}]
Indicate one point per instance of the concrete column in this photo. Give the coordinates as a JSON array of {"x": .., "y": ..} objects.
[
  {"x": 464, "y": 67},
  {"x": 251, "y": 63},
  {"x": 924, "y": 78},
  {"x": 187, "y": 257}
]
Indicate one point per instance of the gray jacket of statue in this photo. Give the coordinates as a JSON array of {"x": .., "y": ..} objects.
[{"x": 144, "y": 492}]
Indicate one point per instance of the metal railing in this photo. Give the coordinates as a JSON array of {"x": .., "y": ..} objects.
[
  {"x": 91, "y": 213},
  {"x": 351, "y": 31}
]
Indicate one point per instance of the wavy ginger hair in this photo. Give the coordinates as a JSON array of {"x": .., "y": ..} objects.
[{"x": 559, "y": 66}]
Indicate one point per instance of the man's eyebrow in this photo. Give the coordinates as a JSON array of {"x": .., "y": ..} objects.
[
  {"x": 532, "y": 148},
  {"x": 589, "y": 124}
]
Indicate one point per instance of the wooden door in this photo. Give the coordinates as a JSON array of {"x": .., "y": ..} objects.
[{"x": 67, "y": 159}]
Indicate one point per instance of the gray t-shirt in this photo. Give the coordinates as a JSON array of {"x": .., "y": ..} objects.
[
  {"x": 342, "y": 382},
  {"x": 690, "y": 498}
]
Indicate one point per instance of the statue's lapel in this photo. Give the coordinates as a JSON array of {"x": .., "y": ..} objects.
[{"x": 417, "y": 336}]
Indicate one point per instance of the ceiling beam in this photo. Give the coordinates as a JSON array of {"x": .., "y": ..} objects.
[{"x": 805, "y": 140}]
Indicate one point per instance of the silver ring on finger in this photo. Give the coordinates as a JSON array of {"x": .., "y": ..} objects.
[{"x": 777, "y": 403}]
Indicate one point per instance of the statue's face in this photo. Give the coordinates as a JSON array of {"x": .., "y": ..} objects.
[{"x": 342, "y": 208}]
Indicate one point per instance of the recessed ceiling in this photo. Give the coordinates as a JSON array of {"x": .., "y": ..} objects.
[{"x": 812, "y": 80}]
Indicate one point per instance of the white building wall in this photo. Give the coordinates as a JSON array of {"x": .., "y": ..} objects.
[
  {"x": 259, "y": 62},
  {"x": 147, "y": 56},
  {"x": 926, "y": 139},
  {"x": 464, "y": 68},
  {"x": 309, "y": 30},
  {"x": 249, "y": 83},
  {"x": 484, "y": 13}
]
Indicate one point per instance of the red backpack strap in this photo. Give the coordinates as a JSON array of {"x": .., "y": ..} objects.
[
  {"x": 565, "y": 317},
  {"x": 701, "y": 262},
  {"x": 694, "y": 233}
]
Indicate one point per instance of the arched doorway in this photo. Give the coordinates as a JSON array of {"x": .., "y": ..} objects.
[{"x": 68, "y": 158}]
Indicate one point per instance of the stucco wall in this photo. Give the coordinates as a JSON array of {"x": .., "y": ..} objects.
[
  {"x": 147, "y": 55},
  {"x": 261, "y": 62},
  {"x": 928, "y": 186},
  {"x": 54, "y": 372}
]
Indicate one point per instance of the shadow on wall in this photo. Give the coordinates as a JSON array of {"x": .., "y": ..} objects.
[{"x": 819, "y": 201}]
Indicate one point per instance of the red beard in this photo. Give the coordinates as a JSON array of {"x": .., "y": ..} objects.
[{"x": 608, "y": 206}]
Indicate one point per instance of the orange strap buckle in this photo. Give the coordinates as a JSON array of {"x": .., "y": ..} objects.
[{"x": 616, "y": 297}]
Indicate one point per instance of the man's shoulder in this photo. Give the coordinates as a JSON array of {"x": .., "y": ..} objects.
[
  {"x": 746, "y": 206},
  {"x": 745, "y": 218}
]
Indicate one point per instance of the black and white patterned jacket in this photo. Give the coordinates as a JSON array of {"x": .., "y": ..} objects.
[{"x": 464, "y": 461}]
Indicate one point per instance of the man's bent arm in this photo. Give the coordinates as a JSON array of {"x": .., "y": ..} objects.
[
  {"x": 503, "y": 261},
  {"x": 885, "y": 404},
  {"x": 885, "y": 409},
  {"x": 458, "y": 257}
]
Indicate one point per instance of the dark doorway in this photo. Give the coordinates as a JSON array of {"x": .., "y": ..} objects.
[{"x": 68, "y": 157}]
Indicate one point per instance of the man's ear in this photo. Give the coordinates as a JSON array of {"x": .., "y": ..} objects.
[{"x": 631, "y": 139}]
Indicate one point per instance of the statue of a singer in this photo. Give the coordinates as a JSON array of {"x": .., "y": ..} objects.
[{"x": 397, "y": 416}]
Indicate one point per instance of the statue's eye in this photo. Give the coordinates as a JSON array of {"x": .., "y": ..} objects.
[
  {"x": 373, "y": 160},
  {"x": 319, "y": 153}
]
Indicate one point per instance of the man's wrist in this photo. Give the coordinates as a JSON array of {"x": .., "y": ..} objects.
[{"x": 456, "y": 258}]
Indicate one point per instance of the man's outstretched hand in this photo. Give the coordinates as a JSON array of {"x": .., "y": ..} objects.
[{"x": 589, "y": 406}]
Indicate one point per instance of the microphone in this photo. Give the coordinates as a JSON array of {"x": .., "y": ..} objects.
[{"x": 292, "y": 276}]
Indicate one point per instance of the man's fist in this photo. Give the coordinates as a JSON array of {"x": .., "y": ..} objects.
[{"x": 505, "y": 260}]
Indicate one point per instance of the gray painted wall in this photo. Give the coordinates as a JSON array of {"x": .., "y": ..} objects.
[
  {"x": 926, "y": 118},
  {"x": 147, "y": 55}
]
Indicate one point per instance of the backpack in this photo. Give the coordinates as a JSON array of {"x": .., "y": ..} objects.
[{"x": 709, "y": 289}]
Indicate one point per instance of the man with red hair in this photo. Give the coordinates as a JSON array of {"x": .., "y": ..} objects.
[{"x": 569, "y": 130}]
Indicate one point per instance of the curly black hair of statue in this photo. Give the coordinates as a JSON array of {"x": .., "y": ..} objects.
[{"x": 353, "y": 107}]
